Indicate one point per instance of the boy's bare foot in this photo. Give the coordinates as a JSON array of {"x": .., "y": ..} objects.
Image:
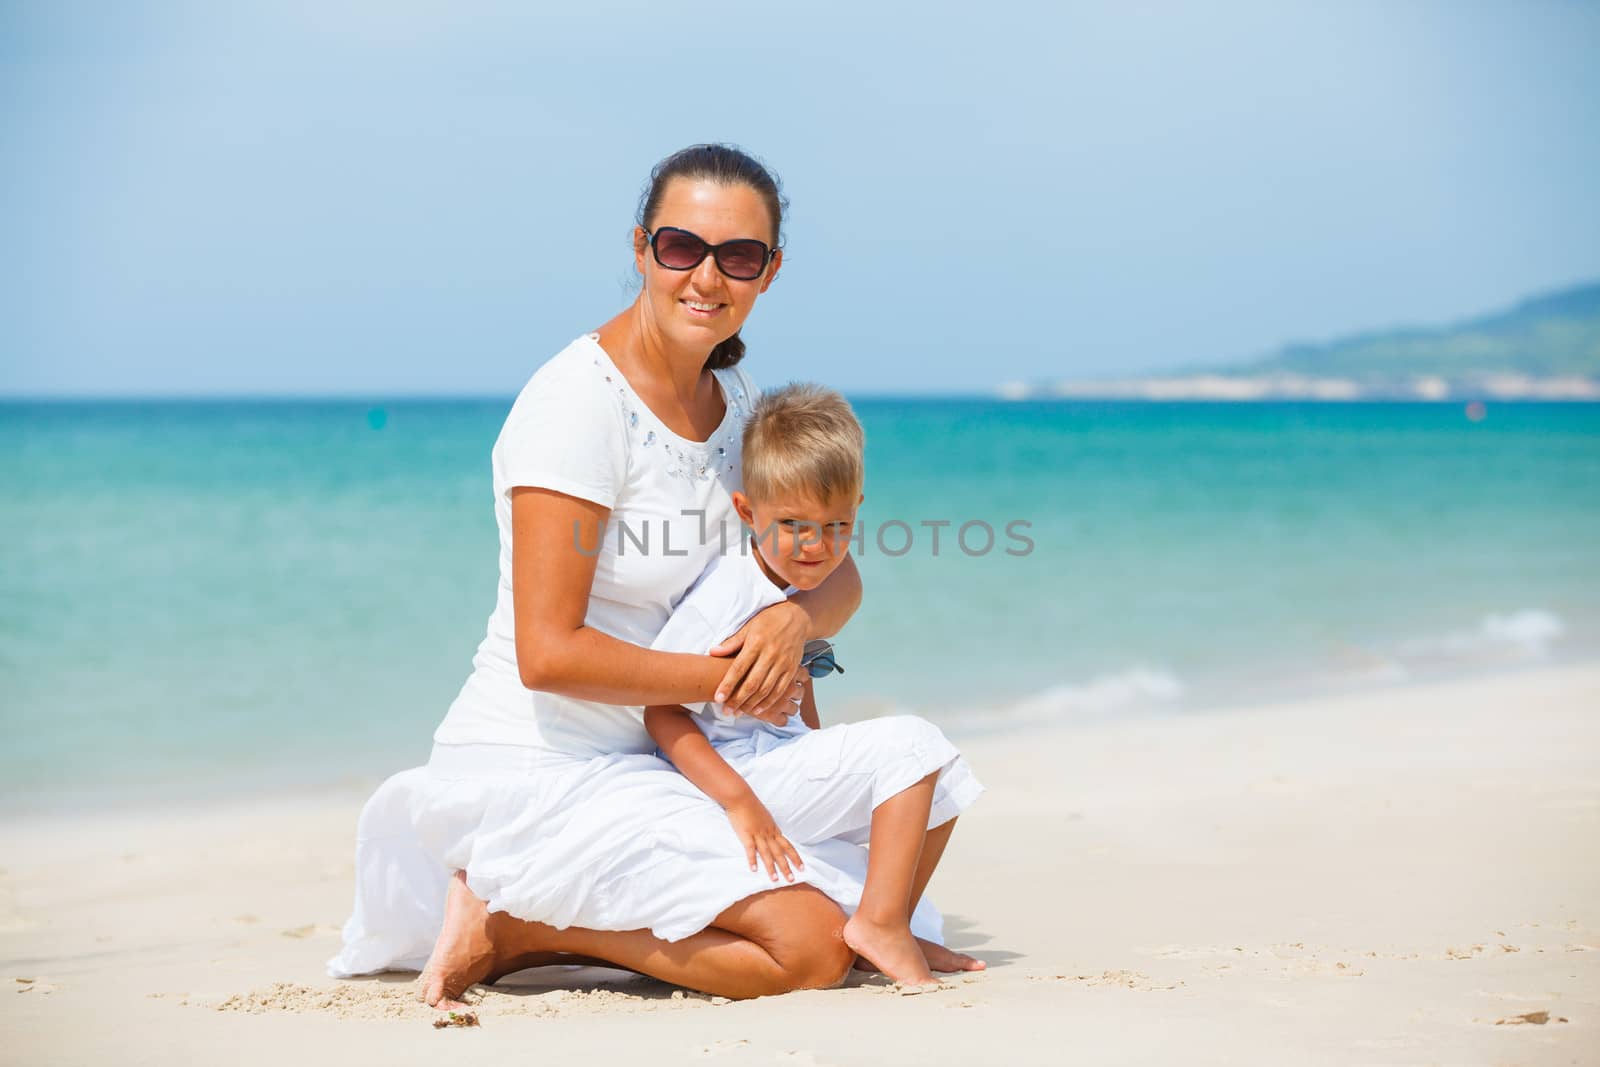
[
  {"x": 941, "y": 959},
  {"x": 463, "y": 955},
  {"x": 948, "y": 961},
  {"x": 891, "y": 948}
]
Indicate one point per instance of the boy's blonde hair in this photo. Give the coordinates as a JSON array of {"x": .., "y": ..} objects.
[{"x": 803, "y": 438}]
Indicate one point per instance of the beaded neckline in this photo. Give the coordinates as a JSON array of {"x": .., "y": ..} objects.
[{"x": 696, "y": 461}]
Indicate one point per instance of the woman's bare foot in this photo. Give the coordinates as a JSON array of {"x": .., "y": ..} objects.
[
  {"x": 948, "y": 961},
  {"x": 464, "y": 954},
  {"x": 891, "y": 948}
]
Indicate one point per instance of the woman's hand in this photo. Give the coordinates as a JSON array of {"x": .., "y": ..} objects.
[
  {"x": 761, "y": 839},
  {"x": 761, "y": 680}
]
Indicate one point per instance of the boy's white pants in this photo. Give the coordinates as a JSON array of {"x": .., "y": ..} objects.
[{"x": 825, "y": 783}]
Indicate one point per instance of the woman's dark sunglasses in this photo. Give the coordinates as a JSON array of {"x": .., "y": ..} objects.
[
  {"x": 818, "y": 659},
  {"x": 675, "y": 249}
]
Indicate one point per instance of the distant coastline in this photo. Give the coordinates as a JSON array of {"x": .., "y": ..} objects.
[
  {"x": 1544, "y": 348},
  {"x": 1217, "y": 386}
]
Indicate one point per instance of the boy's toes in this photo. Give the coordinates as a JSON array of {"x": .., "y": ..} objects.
[{"x": 943, "y": 959}]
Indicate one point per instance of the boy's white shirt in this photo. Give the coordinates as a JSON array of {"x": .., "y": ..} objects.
[{"x": 725, "y": 597}]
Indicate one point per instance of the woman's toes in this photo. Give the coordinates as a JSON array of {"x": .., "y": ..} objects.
[{"x": 434, "y": 991}]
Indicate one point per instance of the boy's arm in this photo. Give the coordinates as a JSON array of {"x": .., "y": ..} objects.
[
  {"x": 682, "y": 742},
  {"x": 808, "y": 707},
  {"x": 688, "y": 749}
]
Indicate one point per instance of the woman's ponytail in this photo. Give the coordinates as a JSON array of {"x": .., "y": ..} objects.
[{"x": 727, "y": 353}]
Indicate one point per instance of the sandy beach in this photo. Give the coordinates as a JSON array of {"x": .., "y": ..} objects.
[{"x": 1399, "y": 876}]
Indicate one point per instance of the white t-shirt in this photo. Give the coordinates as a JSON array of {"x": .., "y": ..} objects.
[
  {"x": 578, "y": 428},
  {"x": 732, "y": 590}
]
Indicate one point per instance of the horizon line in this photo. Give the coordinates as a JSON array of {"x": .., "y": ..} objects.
[
  {"x": 395, "y": 397},
  {"x": 378, "y": 401}
]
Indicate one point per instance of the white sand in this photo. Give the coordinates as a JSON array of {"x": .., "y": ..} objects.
[{"x": 1394, "y": 877}]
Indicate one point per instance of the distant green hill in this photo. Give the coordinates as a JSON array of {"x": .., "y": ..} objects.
[{"x": 1553, "y": 336}]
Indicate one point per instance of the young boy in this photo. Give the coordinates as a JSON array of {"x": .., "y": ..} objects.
[{"x": 894, "y": 783}]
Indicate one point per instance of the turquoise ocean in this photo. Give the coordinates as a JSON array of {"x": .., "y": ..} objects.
[{"x": 203, "y": 598}]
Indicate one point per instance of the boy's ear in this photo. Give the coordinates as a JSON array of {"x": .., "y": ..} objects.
[{"x": 741, "y": 504}]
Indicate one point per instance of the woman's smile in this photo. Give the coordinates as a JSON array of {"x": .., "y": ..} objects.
[{"x": 702, "y": 309}]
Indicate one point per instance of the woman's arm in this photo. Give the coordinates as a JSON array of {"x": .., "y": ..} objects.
[
  {"x": 550, "y": 585},
  {"x": 830, "y": 605},
  {"x": 769, "y": 645}
]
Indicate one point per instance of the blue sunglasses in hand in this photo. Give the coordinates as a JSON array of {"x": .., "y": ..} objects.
[{"x": 818, "y": 659}]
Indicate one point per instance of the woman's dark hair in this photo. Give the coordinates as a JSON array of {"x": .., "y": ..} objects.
[{"x": 725, "y": 165}]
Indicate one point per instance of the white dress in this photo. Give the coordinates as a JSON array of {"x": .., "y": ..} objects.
[{"x": 555, "y": 808}]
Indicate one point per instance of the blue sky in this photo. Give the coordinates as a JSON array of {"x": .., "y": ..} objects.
[{"x": 381, "y": 198}]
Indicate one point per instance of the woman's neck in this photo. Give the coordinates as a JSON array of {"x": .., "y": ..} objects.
[
  {"x": 645, "y": 354},
  {"x": 674, "y": 384}
]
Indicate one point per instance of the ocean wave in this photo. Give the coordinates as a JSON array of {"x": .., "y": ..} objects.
[
  {"x": 1137, "y": 689},
  {"x": 1526, "y": 635},
  {"x": 1111, "y": 692},
  {"x": 1500, "y": 639},
  {"x": 1515, "y": 638},
  {"x": 1532, "y": 631}
]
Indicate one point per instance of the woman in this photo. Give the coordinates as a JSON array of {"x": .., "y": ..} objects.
[{"x": 612, "y": 480}]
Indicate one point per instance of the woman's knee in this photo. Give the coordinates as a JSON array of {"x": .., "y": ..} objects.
[
  {"x": 801, "y": 929},
  {"x": 819, "y": 960}
]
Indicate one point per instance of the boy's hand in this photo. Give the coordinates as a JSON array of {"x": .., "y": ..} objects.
[{"x": 761, "y": 838}]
